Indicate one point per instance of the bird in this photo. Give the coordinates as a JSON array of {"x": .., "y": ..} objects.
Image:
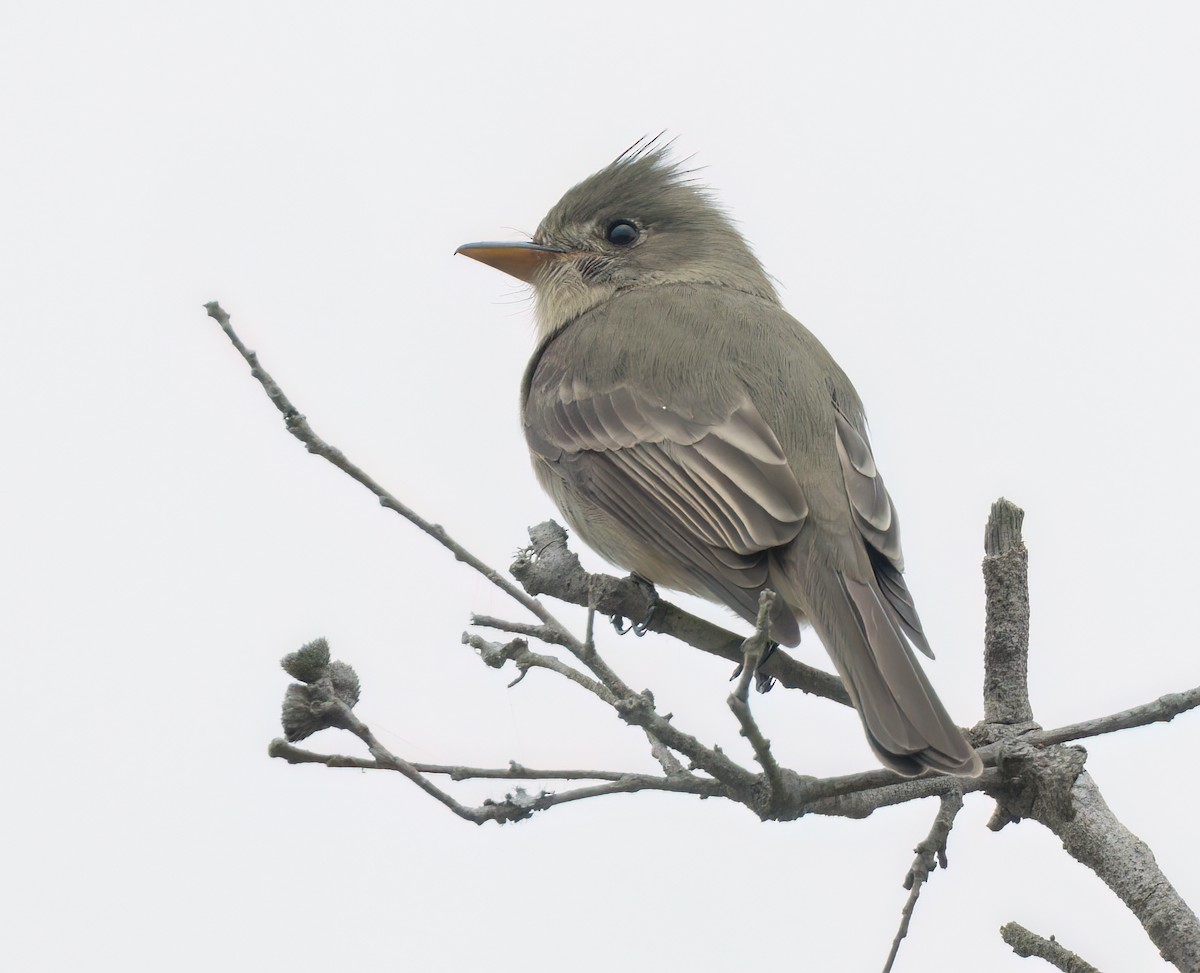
[{"x": 692, "y": 432}]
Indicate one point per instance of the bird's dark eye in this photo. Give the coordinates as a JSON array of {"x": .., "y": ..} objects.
[{"x": 622, "y": 233}]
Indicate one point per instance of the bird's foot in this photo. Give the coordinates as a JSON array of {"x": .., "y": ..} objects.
[
  {"x": 638, "y": 628},
  {"x": 762, "y": 682}
]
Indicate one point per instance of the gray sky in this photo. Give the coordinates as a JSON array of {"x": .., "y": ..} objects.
[{"x": 990, "y": 215}]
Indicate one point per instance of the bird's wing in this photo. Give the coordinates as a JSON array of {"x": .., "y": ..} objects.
[
  {"x": 875, "y": 518},
  {"x": 709, "y": 496}
]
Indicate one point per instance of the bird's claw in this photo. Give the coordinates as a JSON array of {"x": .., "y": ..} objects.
[
  {"x": 762, "y": 682},
  {"x": 638, "y": 628}
]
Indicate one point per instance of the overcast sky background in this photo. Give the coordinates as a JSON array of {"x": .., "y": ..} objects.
[{"x": 990, "y": 215}]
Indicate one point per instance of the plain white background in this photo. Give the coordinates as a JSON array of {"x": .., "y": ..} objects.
[{"x": 990, "y": 215}]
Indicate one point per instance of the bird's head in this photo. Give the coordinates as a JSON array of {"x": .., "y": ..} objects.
[{"x": 639, "y": 222}]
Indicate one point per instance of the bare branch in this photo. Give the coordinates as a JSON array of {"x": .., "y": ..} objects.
[
  {"x": 514, "y": 771},
  {"x": 636, "y": 709},
  {"x": 298, "y": 426},
  {"x": 495, "y": 655},
  {"x": 543, "y": 633},
  {"x": 662, "y": 753},
  {"x": 551, "y": 568},
  {"x": 1026, "y": 943},
  {"x": 1162, "y": 710},
  {"x": 1092, "y": 835},
  {"x": 516, "y": 806},
  {"x": 1006, "y": 638},
  {"x": 589, "y": 637},
  {"x": 328, "y": 691},
  {"x": 390, "y": 761},
  {"x": 688, "y": 784},
  {"x": 930, "y": 853},
  {"x": 859, "y": 795},
  {"x": 788, "y": 795},
  {"x": 865, "y": 799}
]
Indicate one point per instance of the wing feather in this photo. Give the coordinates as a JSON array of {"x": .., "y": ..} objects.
[
  {"x": 875, "y": 518},
  {"x": 735, "y": 586},
  {"x": 711, "y": 495}
]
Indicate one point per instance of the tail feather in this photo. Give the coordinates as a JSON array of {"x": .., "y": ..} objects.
[{"x": 906, "y": 724}]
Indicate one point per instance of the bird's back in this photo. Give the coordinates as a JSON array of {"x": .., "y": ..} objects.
[{"x": 713, "y": 345}]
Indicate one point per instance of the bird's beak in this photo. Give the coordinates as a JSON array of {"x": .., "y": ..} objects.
[{"x": 521, "y": 260}]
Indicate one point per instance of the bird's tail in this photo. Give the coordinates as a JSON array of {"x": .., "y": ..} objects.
[{"x": 906, "y": 724}]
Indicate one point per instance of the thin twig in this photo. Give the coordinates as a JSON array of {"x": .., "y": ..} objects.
[
  {"x": 930, "y": 853},
  {"x": 515, "y": 808},
  {"x": 636, "y": 709},
  {"x": 514, "y": 771},
  {"x": 298, "y": 426},
  {"x": 496, "y": 654},
  {"x": 543, "y": 633},
  {"x": 739, "y": 700},
  {"x": 348, "y": 721},
  {"x": 662, "y": 753},
  {"x": 1162, "y": 710}
]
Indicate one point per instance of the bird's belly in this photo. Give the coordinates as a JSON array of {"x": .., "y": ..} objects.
[{"x": 613, "y": 541}]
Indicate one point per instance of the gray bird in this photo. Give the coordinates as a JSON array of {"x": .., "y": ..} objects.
[{"x": 693, "y": 432}]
